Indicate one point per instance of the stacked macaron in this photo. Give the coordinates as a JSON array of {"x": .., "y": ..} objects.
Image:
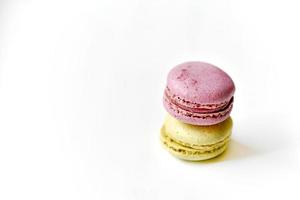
[{"x": 198, "y": 98}]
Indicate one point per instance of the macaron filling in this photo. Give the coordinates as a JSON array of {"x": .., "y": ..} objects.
[
  {"x": 196, "y": 110},
  {"x": 188, "y": 148},
  {"x": 195, "y": 107},
  {"x": 203, "y": 148}
]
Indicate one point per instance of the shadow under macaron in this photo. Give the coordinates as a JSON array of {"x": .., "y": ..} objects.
[
  {"x": 262, "y": 135},
  {"x": 234, "y": 151}
]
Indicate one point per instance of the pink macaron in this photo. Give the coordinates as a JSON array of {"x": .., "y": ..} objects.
[{"x": 199, "y": 93}]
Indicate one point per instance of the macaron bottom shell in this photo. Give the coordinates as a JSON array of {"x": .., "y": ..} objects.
[
  {"x": 188, "y": 153},
  {"x": 195, "y": 143}
]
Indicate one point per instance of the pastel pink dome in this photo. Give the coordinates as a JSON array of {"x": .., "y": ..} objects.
[{"x": 199, "y": 93}]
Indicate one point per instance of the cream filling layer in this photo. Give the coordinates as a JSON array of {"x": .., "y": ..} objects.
[{"x": 191, "y": 149}]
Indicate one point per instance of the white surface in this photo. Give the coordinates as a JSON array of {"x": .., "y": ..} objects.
[{"x": 80, "y": 98}]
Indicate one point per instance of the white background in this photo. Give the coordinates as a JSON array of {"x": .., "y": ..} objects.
[{"x": 81, "y": 98}]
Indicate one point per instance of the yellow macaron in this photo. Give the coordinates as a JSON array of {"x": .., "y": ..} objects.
[{"x": 194, "y": 143}]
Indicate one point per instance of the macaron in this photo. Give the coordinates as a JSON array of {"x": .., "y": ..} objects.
[
  {"x": 199, "y": 93},
  {"x": 195, "y": 143}
]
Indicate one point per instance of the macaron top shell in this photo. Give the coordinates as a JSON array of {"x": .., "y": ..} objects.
[
  {"x": 200, "y": 83},
  {"x": 197, "y": 135}
]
